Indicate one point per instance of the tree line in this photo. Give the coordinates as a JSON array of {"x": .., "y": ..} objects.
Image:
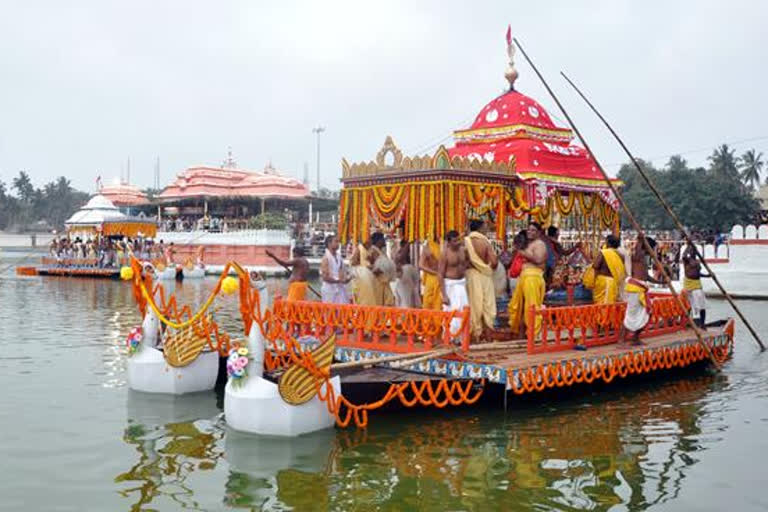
[
  {"x": 705, "y": 198},
  {"x": 711, "y": 198},
  {"x": 24, "y": 207}
]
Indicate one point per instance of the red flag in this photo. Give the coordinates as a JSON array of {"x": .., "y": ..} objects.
[{"x": 509, "y": 34}]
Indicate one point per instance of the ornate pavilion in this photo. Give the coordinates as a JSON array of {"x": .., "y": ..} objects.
[{"x": 511, "y": 164}]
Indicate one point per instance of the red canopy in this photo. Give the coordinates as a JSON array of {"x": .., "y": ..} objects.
[{"x": 516, "y": 126}]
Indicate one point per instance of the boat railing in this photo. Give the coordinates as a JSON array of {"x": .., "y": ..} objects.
[
  {"x": 564, "y": 327},
  {"x": 388, "y": 329}
]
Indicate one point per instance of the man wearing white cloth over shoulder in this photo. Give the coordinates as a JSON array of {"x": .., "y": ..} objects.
[{"x": 333, "y": 274}]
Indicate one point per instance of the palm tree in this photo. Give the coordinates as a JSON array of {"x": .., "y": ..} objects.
[
  {"x": 723, "y": 161},
  {"x": 751, "y": 167}
]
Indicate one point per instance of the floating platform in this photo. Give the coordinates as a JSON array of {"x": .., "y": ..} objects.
[{"x": 521, "y": 372}]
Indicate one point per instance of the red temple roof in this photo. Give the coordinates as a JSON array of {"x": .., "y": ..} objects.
[
  {"x": 229, "y": 181},
  {"x": 514, "y": 126},
  {"x": 123, "y": 194}
]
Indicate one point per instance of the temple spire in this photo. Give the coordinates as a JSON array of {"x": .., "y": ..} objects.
[
  {"x": 511, "y": 73},
  {"x": 229, "y": 163}
]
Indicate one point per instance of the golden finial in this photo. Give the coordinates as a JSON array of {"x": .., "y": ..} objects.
[{"x": 511, "y": 73}]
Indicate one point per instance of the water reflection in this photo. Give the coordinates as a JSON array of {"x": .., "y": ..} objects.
[
  {"x": 274, "y": 473},
  {"x": 626, "y": 452},
  {"x": 174, "y": 437}
]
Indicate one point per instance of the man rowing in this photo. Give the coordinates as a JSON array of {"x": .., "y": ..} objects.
[
  {"x": 480, "y": 289},
  {"x": 530, "y": 287},
  {"x": 636, "y": 292},
  {"x": 297, "y": 283},
  {"x": 692, "y": 286}
]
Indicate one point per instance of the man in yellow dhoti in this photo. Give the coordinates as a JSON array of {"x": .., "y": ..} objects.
[
  {"x": 384, "y": 271},
  {"x": 609, "y": 272},
  {"x": 692, "y": 286},
  {"x": 363, "y": 280},
  {"x": 480, "y": 289},
  {"x": 430, "y": 255},
  {"x": 531, "y": 287}
]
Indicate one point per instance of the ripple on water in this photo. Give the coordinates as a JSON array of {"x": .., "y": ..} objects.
[{"x": 619, "y": 448}]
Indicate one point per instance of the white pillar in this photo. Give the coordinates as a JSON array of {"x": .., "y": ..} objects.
[{"x": 310, "y": 213}]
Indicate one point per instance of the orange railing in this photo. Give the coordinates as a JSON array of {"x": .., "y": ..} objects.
[
  {"x": 387, "y": 329},
  {"x": 598, "y": 324}
]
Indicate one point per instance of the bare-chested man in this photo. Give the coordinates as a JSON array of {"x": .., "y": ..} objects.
[
  {"x": 482, "y": 294},
  {"x": 451, "y": 272},
  {"x": 692, "y": 286},
  {"x": 530, "y": 287},
  {"x": 297, "y": 283},
  {"x": 636, "y": 291}
]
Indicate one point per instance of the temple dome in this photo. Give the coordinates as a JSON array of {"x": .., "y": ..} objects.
[
  {"x": 513, "y": 115},
  {"x": 123, "y": 194},
  {"x": 516, "y": 128}
]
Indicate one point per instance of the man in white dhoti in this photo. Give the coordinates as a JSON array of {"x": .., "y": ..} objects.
[
  {"x": 636, "y": 292},
  {"x": 333, "y": 274},
  {"x": 451, "y": 271}
]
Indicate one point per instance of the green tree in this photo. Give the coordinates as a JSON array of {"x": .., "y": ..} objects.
[
  {"x": 751, "y": 167},
  {"x": 723, "y": 161},
  {"x": 23, "y": 186},
  {"x": 701, "y": 198}
]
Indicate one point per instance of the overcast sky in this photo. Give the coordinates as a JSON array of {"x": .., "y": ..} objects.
[{"x": 86, "y": 85}]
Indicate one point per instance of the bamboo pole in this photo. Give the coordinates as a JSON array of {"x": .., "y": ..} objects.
[
  {"x": 435, "y": 353},
  {"x": 376, "y": 360},
  {"x": 629, "y": 213},
  {"x": 669, "y": 211}
]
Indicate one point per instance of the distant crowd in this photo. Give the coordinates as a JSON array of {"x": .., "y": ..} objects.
[{"x": 105, "y": 252}]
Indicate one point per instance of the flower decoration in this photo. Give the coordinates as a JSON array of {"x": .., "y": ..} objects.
[
  {"x": 229, "y": 285},
  {"x": 237, "y": 364},
  {"x": 133, "y": 341}
]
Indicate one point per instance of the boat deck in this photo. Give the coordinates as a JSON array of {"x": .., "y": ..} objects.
[
  {"x": 52, "y": 270},
  {"x": 514, "y": 368}
]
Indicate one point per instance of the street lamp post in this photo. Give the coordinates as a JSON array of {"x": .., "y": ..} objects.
[{"x": 317, "y": 131}]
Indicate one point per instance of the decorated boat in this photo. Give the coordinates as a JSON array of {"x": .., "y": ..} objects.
[
  {"x": 301, "y": 366},
  {"x": 98, "y": 219}
]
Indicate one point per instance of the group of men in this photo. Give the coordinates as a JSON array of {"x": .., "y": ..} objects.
[
  {"x": 618, "y": 279},
  {"x": 461, "y": 273}
]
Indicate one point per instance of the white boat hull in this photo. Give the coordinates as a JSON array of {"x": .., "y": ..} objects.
[
  {"x": 193, "y": 273},
  {"x": 167, "y": 273},
  {"x": 257, "y": 408},
  {"x": 148, "y": 372}
]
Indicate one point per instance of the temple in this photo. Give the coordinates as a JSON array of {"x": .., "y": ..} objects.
[
  {"x": 234, "y": 188},
  {"x": 123, "y": 194}
]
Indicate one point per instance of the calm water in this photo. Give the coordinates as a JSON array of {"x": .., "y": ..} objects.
[{"x": 75, "y": 438}]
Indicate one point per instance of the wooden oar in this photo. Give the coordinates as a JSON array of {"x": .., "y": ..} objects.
[
  {"x": 669, "y": 211},
  {"x": 630, "y": 215},
  {"x": 378, "y": 360},
  {"x": 435, "y": 353}
]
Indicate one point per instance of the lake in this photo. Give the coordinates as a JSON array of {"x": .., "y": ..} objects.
[{"x": 74, "y": 437}]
